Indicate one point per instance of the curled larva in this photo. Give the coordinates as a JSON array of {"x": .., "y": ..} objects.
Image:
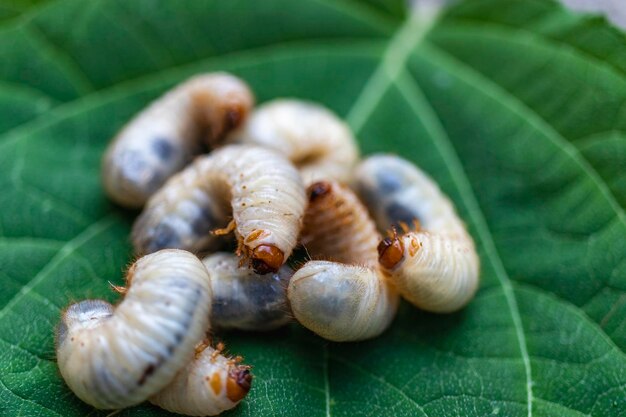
[
  {"x": 319, "y": 143},
  {"x": 210, "y": 384},
  {"x": 349, "y": 299},
  {"x": 115, "y": 357},
  {"x": 260, "y": 187},
  {"x": 435, "y": 267},
  {"x": 164, "y": 137},
  {"x": 245, "y": 300}
]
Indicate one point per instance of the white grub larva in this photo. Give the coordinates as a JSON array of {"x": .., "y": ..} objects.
[
  {"x": 319, "y": 143},
  {"x": 245, "y": 300},
  {"x": 260, "y": 187},
  {"x": 210, "y": 384},
  {"x": 164, "y": 137},
  {"x": 435, "y": 267},
  {"x": 115, "y": 357},
  {"x": 349, "y": 299}
]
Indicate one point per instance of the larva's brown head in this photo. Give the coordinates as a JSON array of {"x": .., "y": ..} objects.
[
  {"x": 238, "y": 383},
  {"x": 317, "y": 190},
  {"x": 234, "y": 115},
  {"x": 266, "y": 259},
  {"x": 390, "y": 252}
]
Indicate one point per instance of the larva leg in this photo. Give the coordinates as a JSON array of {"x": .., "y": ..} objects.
[
  {"x": 117, "y": 357},
  {"x": 263, "y": 189},
  {"x": 319, "y": 143},
  {"x": 435, "y": 266},
  {"x": 349, "y": 299},
  {"x": 245, "y": 300},
  {"x": 164, "y": 137},
  {"x": 210, "y": 384}
]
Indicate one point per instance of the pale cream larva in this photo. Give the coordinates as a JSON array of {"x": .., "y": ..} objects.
[
  {"x": 349, "y": 297},
  {"x": 164, "y": 137},
  {"x": 319, "y": 143},
  {"x": 262, "y": 190},
  {"x": 115, "y": 357},
  {"x": 245, "y": 300},
  {"x": 435, "y": 266},
  {"x": 210, "y": 384}
]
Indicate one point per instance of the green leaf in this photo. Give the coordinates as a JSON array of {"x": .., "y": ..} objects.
[{"x": 516, "y": 107}]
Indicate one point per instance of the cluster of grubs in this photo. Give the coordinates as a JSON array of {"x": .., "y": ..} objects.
[{"x": 203, "y": 164}]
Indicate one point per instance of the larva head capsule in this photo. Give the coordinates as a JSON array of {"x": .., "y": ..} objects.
[
  {"x": 117, "y": 357},
  {"x": 266, "y": 259},
  {"x": 210, "y": 384},
  {"x": 390, "y": 252}
]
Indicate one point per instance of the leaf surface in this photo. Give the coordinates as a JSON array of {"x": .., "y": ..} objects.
[{"x": 516, "y": 108}]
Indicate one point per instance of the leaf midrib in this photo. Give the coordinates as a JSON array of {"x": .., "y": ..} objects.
[
  {"x": 385, "y": 75},
  {"x": 461, "y": 180}
]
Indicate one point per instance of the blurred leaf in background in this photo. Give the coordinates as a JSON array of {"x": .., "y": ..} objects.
[{"x": 516, "y": 108}]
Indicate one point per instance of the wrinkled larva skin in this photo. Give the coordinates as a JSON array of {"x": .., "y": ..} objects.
[
  {"x": 210, "y": 384},
  {"x": 337, "y": 227},
  {"x": 164, "y": 137},
  {"x": 115, "y": 357},
  {"x": 350, "y": 299},
  {"x": 342, "y": 302},
  {"x": 438, "y": 273},
  {"x": 319, "y": 143},
  {"x": 262, "y": 190},
  {"x": 436, "y": 266},
  {"x": 245, "y": 300}
]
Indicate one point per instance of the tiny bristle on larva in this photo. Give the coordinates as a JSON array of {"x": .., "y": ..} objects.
[
  {"x": 208, "y": 385},
  {"x": 318, "y": 142},
  {"x": 260, "y": 189},
  {"x": 194, "y": 116},
  {"x": 116, "y": 357}
]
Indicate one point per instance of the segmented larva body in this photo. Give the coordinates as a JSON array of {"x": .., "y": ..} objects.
[
  {"x": 265, "y": 194},
  {"x": 115, "y": 357},
  {"x": 164, "y": 137},
  {"x": 319, "y": 143},
  {"x": 208, "y": 385},
  {"x": 337, "y": 227},
  {"x": 345, "y": 301},
  {"x": 436, "y": 266},
  {"x": 245, "y": 300}
]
